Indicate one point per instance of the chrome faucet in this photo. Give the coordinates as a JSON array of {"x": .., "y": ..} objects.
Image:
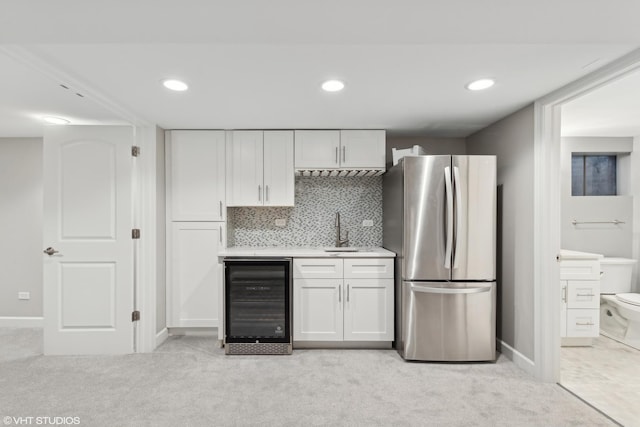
[{"x": 339, "y": 240}]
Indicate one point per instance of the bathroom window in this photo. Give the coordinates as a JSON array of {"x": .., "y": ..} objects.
[{"x": 593, "y": 175}]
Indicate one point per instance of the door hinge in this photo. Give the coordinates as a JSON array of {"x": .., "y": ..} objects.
[
  {"x": 135, "y": 316},
  {"x": 135, "y": 233},
  {"x": 135, "y": 151}
]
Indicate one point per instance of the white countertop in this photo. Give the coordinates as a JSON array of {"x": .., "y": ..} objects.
[
  {"x": 297, "y": 252},
  {"x": 577, "y": 255}
]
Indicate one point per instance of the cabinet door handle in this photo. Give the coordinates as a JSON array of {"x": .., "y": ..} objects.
[
  {"x": 336, "y": 155},
  {"x": 339, "y": 293},
  {"x": 220, "y": 209},
  {"x": 564, "y": 294},
  {"x": 259, "y": 193},
  {"x": 348, "y": 286},
  {"x": 584, "y": 324},
  {"x": 585, "y": 295},
  {"x": 220, "y": 228},
  {"x": 266, "y": 187},
  {"x": 344, "y": 153}
]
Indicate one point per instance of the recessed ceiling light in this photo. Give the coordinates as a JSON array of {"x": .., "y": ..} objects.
[
  {"x": 480, "y": 84},
  {"x": 176, "y": 85},
  {"x": 56, "y": 120},
  {"x": 332, "y": 86}
]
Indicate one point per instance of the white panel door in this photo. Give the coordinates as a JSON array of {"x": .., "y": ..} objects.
[
  {"x": 195, "y": 274},
  {"x": 317, "y": 310},
  {"x": 317, "y": 149},
  {"x": 362, "y": 148},
  {"x": 196, "y": 175},
  {"x": 245, "y": 169},
  {"x": 368, "y": 310},
  {"x": 279, "y": 180},
  {"x": 88, "y": 282}
]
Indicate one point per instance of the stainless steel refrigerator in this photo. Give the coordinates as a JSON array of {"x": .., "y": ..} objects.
[{"x": 440, "y": 219}]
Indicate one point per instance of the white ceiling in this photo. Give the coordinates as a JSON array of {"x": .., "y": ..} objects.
[
  {"x": 257, "y": 64},
  {"x": 613, "y": 110}
]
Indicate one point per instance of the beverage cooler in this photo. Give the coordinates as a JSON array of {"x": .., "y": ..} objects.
[{"x": 257, "y": 305}]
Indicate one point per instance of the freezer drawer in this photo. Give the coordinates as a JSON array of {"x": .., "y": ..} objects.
[{"x": 448, "y": 321}]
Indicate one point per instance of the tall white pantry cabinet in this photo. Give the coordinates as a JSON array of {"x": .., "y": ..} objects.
[{"x": 196, "y": 227}]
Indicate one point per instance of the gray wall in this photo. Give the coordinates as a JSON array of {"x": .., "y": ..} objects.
[
  {"x": 161, "y": 238},
  {"x": 312, "y": 221},
  {"x": 21, "y": 226},
  {"x": 512, "y": 141},
  {"x": 607, "y": 239},
  {"x": 431, "y": 145}
]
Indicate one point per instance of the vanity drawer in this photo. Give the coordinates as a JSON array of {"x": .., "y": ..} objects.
[
  {"x": 317, "y": 268},
  {"x": 582, "y": 322},
  {"x": 580, "y": 269},
  {"x": 368, "y": 268},
  {"x": 583, "y": 294}
]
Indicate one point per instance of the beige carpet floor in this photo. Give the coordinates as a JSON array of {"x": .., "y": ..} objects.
[{"x": 190, "y": 382}]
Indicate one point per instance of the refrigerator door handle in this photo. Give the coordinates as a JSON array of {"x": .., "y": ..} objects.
[
  {"x": 449, "y": 242},
  {"x": 431, "y": 290},
  {"x": 456, "y": 189}
]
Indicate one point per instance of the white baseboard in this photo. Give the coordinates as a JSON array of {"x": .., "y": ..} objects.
[
  {"x": 202, "y": 332},
  {"x": 162, "y": 336},
  {"x": 21, "y": 322},
  {"x": 518, "y": 358}
]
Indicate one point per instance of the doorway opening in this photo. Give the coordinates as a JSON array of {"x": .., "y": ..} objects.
[{"x": 603, "y": 224}]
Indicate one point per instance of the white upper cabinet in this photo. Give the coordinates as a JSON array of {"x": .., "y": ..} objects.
[
  {"x": 244, "y": 168},
  {"x": 317, "y": 149},
  {"x": 195, "y": 175},
  {"x": 260, "y": 168},
  {"x": 362, "y": 148},
  {"x": 279, "y": 182},
  {"x": 340, "y": 149}
]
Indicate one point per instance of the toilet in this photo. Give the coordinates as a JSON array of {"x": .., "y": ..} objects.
[{"x": 619, "y": 307}]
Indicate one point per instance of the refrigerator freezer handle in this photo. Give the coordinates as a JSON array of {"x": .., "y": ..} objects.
[
  {"x": 449, "y": 191},
  {"x": 456, "y": 189},
  {"x": 431, "y": 290}
]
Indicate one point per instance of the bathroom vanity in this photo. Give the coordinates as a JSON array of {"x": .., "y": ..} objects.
[{"x": 580, "y": 293}]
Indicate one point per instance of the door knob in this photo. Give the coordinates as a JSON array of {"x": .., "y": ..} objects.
[{"x": 50, "y": 251}]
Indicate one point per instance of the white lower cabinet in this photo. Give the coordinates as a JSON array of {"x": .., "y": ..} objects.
[
  {"x": 580, "y": 314},
  {"x": 317, "y": 310},
  {"x": 343, "y": 299},
  {"x": 194, "y": 283},
  {"x": 580, "y": 292}
]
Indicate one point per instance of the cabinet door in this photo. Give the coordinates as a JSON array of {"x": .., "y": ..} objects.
[
  {"x": 368, "y": 268},
  {"x": 244, "y": 168},
  {"x": 194, "y": 275},
  {"x": 278, "y": 168},
  {"x": 317, "y": 149},
  {"x": 583, "y": 322},
  {"x": 368, "y": 310},
  {"x": 362, "y": 148},
  {"x": 196, "y": 175},
  {"x": 318, "y": 268},
  {"x": 317, "y": 310},
  {"x": 583, "y": 294}
]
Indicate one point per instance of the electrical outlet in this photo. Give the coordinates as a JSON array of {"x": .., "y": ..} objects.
[
  {"x": 24, "y": 295},
  {"x": 367, "y": 223},
  {"x": 281, "y": 222}
]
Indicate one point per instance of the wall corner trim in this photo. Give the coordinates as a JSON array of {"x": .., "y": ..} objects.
[
  {"x": 21, "y": 322},
  {"x": 520, "y": 360}
]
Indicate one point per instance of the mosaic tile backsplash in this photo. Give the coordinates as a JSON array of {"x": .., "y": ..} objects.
[{"x": 312, "y": 221}]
